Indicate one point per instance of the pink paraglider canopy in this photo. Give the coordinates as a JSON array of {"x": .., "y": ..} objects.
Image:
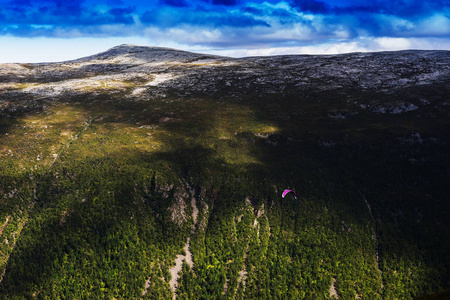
[{"x": 289, "y": 191}]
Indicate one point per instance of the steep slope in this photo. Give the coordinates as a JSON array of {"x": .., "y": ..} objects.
[{"x": 104, "y": 160}]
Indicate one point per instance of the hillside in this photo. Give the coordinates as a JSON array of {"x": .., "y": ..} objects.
[{"x": 121, "y": 168}]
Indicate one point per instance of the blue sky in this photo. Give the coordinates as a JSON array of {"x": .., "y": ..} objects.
[{"x": 56, "y": 30}]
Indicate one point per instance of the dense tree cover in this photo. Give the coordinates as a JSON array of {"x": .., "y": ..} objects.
[{"x": 113, "y": 210}]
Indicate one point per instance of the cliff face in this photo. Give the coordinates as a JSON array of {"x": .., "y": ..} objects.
[{"x": 106, "y": 159}]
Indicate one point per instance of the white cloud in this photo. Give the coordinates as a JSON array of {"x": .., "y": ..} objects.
[
  {"x": 339, "y": 47},
  {"x": 436, "y": 25},
  {"x": 187, "y": 35},
  {"x": 388, "y": 43},
  {"x": 35, "y": 50}
]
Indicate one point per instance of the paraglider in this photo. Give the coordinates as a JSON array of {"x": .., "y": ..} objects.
[{"x": 289, "y": 191}]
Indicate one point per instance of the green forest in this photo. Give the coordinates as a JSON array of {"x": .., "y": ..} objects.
[{"x": 98, "y": 196}]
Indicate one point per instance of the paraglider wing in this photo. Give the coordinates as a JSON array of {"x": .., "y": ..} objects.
[{"x": 289, "y": 191}]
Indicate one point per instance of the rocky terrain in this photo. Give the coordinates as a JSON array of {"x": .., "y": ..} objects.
[
  {"x": 141, "y": 162},
  {"x": 188, "y": 74}
]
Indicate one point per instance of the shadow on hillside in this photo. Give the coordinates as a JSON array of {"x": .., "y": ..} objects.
[{"x": 323, "y": 159}]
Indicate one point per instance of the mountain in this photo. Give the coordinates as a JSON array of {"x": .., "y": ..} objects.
[{"x": 143, "y": 171}]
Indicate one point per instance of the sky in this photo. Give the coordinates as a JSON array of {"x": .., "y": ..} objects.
[{"x": 57, "y": 30}]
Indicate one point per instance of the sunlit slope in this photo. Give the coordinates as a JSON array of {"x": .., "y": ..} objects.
[{"x": 111, "y": 164}]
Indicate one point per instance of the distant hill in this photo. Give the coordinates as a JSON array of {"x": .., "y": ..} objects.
[{"x": 146, "y": 172}]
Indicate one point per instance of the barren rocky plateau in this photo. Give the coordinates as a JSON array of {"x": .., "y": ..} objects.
[{"x": 390, "y": 82}]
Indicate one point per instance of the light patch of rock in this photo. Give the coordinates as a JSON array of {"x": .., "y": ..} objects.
[
  {"x": 333, "y": 292},
  {"x": 243, "y": 274},
  {"x": 177, "y": 209},
  {"x": 161, "y": 78},
  {"x": 188, "y": 254},
  {"x": 179, "y": 265}
]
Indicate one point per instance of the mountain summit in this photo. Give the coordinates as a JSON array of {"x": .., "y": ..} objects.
[{"x": 140, "y": 54}]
